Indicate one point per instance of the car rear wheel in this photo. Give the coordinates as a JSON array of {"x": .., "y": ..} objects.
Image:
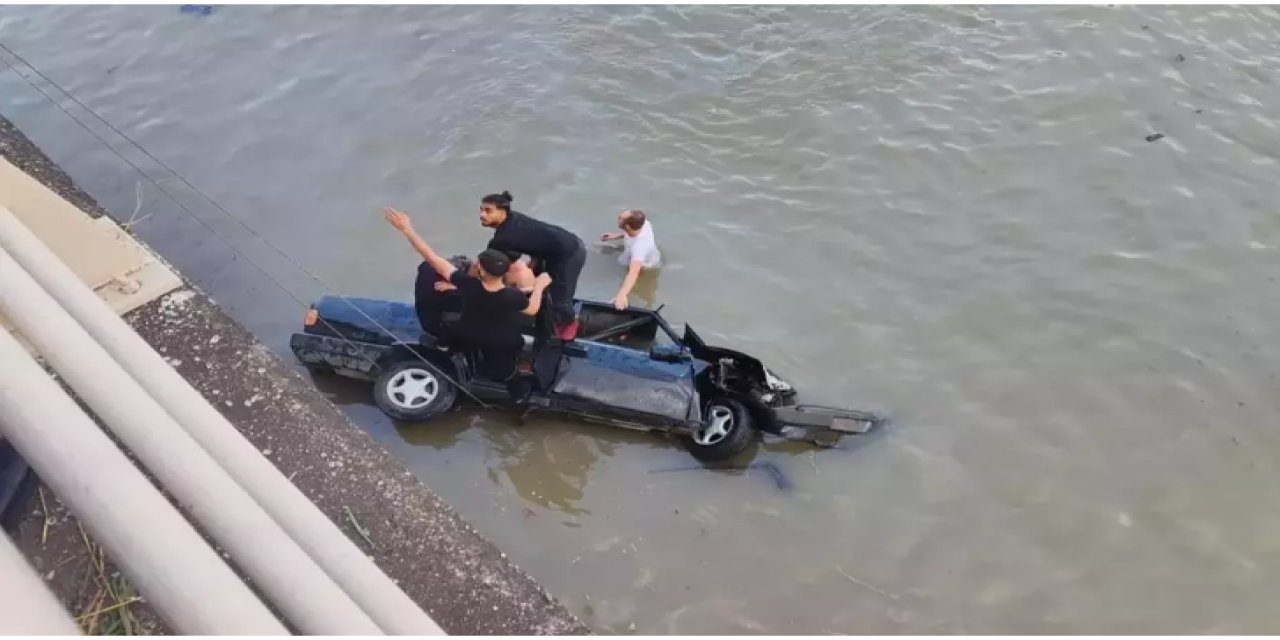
[
  {"x": 413, "y": 391},
  {"x": 727, "y": 430}
]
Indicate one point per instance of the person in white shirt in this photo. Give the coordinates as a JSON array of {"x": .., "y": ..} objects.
[{"x": 641, "y": 251}]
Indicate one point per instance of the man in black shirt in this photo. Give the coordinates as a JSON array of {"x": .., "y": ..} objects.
[
  {"x": 491, "y": 311},
  {"x": 434, "y": 296},
  {"x": 558, "y": 252}
]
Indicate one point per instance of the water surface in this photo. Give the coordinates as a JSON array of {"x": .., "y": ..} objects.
[{"x": 950, "y": 214}]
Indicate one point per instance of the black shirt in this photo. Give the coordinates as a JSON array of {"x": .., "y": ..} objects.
[
  {"x": 428, "y": 302},
  {"x": 485, "y": 313},
  {"x": 535, "y": 238}
]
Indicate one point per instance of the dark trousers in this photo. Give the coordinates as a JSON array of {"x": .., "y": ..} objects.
[
  {"x": 431, "y": 308},
  {"x": 498, "y": 352},
  {"x": 564, "y": 284}
]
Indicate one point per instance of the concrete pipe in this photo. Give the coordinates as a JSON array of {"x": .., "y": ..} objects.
[
  {"x": 190, "y": 586},
  {"x": 289, "y": 578},
  {"x": 385, "y": 602},
  {"x": 27, "y": 607}
]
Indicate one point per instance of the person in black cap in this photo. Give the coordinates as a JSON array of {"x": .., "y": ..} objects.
[
  {"x": 491, "y": 311},
  {"x": 556, "y": 251}
]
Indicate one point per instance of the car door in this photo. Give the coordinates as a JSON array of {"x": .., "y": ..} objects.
[{"x": 625, "y": 382}]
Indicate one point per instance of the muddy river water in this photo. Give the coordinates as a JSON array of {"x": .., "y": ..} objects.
[{"x": 952, "y": 215}]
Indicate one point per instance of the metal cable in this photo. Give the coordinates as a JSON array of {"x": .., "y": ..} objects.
[{"x": 219, "y": 207}]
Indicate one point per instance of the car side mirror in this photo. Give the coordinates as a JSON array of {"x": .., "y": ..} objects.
[{"x": 670, "y": 353}]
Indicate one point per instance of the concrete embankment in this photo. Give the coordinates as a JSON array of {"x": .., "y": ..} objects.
[{"x": 464, "y": 582}]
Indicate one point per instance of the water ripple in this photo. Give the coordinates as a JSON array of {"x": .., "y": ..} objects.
[{"x": 949, "y": 212}]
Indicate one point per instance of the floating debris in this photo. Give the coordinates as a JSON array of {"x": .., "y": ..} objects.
[
  {"x": 1155, "y": 136},
  {"x": 780, "y": 479},
  {"x": 1179, "y": 58},
  {"x": 865, "y": 584}
]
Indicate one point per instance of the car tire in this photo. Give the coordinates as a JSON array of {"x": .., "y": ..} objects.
[
  {"x": 727, "y": 430},
  {"x": 412, "y": 391}
]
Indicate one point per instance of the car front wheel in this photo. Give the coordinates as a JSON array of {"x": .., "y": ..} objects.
[
  {"x": 413, "y": 391},
  {"x": 727, "y": 430}
]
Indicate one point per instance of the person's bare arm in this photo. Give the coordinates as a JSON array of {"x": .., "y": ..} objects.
[
  {"x": 400, "y": 220},
  {"x": 535, "y": 298},
  {"x": 611, "y": 236},
  {"x": 633, "y": 273}
]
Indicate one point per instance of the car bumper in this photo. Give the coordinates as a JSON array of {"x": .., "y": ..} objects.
[
  {"x": 778, "y": 385},
  {"x": 823, "y": 425},
  {"x": 348, "y": 357}
]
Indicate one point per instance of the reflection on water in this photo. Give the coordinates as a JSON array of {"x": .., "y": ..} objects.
[
  {"x": 442, "y": 432},
  {"x": 549, "y": 462},
  {"x": 545, "y": 466},
  {"x": 546, "y": 462},
  {"x": 548, "y": 467}
]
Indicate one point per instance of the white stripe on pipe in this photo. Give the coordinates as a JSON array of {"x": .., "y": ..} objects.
[
  {"x": 289, "y": 578},
  {"x": 385, "y": 602},
  {"x": 191, "y": 587},
  {"x": 27, "y": 607}
]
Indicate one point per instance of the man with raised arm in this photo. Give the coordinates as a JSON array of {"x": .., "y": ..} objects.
[{"x": 491, "y": 311}]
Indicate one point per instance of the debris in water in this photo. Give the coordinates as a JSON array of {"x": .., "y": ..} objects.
[
  {"x": 1199, "y": 110},
  {"x": 196, "y": 9},
  {"x": 1179, "y": 58},
  {"x": 1155, "y": 136},
  {"x": 779, "y": 478},
  {"x": 865, "y": 584}
]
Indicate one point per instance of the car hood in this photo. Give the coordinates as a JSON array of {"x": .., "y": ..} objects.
[
  {"x": 707, "y": 353},
  {"x": 692, "y": 339}
]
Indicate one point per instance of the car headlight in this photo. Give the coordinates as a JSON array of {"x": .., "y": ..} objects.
[{"x": 776, "y": 383}]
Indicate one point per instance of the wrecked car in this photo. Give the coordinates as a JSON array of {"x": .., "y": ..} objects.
[{"x": 627, "y": 368}]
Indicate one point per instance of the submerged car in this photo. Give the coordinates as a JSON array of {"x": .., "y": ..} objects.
[{"x": 626, "y": 368}]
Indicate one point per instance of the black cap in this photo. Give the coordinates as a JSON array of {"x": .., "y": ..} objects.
[
  {"x": 494, "y": 262},
  {"x": 460, "y": 262}
]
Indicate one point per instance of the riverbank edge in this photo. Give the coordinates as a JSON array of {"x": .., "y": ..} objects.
[{"x": 462, "y": 580}]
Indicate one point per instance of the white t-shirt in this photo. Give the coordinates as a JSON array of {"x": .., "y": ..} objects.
[{"x": 642, "y": 247}]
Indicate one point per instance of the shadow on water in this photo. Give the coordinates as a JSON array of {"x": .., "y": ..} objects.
[
  {"x": 779, "y": 456},
  {"x": 548, "y": 462}
]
